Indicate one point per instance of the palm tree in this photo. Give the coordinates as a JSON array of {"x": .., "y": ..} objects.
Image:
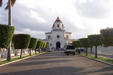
[{"x": 8, "y": 7}]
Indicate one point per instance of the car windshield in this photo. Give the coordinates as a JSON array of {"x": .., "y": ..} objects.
[{"x": 70, "y": 47}]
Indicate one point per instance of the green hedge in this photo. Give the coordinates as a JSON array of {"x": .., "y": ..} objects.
[
  {"x": 21, "y": 41},
  {"x": 6, "y": 34},
  {"x": 107, "y": 35},
  {"x": 33, "y": 43}
]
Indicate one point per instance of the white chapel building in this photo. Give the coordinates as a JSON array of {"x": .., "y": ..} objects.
[{"x": 58, "y": 37}]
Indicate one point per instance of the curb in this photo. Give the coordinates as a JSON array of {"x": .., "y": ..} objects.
[
  {"x": 19, "y": 60},
  {"x": 99, "y": 61}
]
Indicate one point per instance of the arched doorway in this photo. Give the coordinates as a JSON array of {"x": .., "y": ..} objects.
[{"x": 58, "y": 44}]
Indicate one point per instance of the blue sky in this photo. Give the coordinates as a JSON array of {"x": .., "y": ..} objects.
[{"x": 81, "y": 17}]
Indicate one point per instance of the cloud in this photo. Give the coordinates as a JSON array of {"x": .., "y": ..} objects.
[
  {"x": 37, "y": 16},
  {"x": 81, "y": 17},
  {"x": 31, "y": 32},
  {"x": 94, "y": 8}
]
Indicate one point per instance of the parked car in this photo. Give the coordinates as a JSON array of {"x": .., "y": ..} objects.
[
  {"x": 69, "y": 49},
  {"x": 49, "y": 50}
]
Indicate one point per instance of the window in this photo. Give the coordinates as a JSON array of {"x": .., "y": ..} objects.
[
  {"x": 58, "y": 25},
  {"x": 50, "y": 44},
  {"x": 49, "y": 37},
  {"x": 67, "y": 37},
  {"x": 58, "y": 36}
]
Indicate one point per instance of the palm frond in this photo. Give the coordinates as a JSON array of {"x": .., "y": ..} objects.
[
  {"x": 12, "y": 4},
  {"x": 1, "y": 2}
]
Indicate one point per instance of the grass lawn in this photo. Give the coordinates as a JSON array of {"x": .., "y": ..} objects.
[
  {"x": 99, "y": 58},
  {"x": 17, "y": 58}
]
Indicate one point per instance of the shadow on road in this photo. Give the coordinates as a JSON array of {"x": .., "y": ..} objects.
[
  {"x": 48, "y": 71},
  {"x": 39, "y": 62},
  {"x": 57, "y": 64},
  {"x": 58, "y": 71}
]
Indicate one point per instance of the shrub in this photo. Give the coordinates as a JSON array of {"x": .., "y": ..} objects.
[
  {"x": 21, "y": 41},
  {"x": 107, "y": 36},
  {"x": 6, "y": 34}
]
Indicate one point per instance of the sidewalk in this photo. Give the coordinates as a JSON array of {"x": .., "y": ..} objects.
[{"x": 2, "y": 59}]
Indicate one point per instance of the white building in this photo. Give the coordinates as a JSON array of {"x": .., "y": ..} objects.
[{"x": 58, "y": 38}]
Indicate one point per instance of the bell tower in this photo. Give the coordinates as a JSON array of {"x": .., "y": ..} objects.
[{"x": 58, "y": 25}]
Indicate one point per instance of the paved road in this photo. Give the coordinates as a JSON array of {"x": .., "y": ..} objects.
[{"x": 56, "y": 63}]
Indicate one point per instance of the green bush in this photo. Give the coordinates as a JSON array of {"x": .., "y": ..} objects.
[
  {"x": 21, "y": 41},
  {"x": 107, "y": 36},
  {"x": 33, "y": 43},
  {"x": 6, "y": 34}
]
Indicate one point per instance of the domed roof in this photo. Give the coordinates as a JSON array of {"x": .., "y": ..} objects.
[
  {"x": 58, "y": 25},
  {"x": 58, "y": 20}
]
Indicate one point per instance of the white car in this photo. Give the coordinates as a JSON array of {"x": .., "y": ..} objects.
[{"x": 69, "y": 49}]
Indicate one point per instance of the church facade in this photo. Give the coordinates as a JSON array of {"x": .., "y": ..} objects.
[{"x": 58, "y": 37}]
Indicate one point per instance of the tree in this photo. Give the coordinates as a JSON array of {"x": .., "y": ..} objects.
[
  {"x": 38, "y": 45},
  {"x": 95, "y": 40},
  {"x": 107, "y": 36},
  {"x": 8, "y": 7},
  {"x": 32, "y": 44},
  {"x": 21, "y": 41},
  {"x": 41, "y": 44},
  {"x": 90, "y": 43},
  {"x": 84, "y": 43},
  {"x": 46, "y": 44},
  {"x": 76, "y": 44},
  {"x": 6, "y": 34}
]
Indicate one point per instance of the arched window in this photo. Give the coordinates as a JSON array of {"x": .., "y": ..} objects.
[
  {"x": 58, "y": 36},
  {"x": 58, "y": 25},
  {"x": 50, "y": 44},
  {"x": 49, "y": 36}
]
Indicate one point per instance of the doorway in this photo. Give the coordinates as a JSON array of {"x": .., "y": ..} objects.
[{"x": 58, "y": 45}]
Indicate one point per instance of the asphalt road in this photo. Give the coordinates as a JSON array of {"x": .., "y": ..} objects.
[{"x": 56, "y": 63}]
